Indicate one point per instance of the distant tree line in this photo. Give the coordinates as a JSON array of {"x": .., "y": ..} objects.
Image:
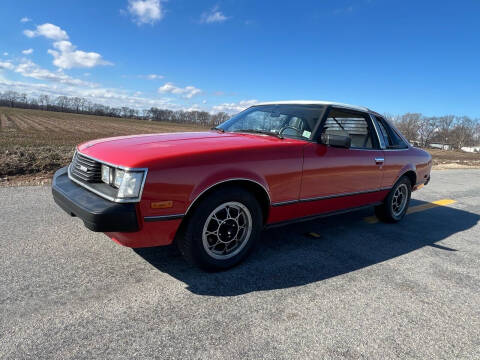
[
  {"x": 80, "y": 105},
  {"x": 455, "y": 131}
]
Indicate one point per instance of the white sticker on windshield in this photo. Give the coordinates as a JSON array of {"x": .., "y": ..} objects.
[{"x": 306, "y": 134}]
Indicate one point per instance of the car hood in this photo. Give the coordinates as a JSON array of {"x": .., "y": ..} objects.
[{"x": 143, "y": 150}]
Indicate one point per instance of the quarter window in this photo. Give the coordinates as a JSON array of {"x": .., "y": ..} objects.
[
  {"x": 391, "y": 138},
  {"x": 354, "y": 125}
]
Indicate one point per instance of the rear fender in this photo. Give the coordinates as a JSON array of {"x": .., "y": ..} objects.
[{"x": 405, "y": 170}]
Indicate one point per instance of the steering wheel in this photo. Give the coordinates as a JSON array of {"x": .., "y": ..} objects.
[{"x": 287, "y": 127}]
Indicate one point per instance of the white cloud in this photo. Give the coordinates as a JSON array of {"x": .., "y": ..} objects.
[
  {"x": 145, "y": 11},
  {"x": 49, "y": 31},
  {"x": 344, "y": 10},
  {"x": 6, "y": 65},
  {"x": 57, "y": 83},
  {"x": 68, "y": 57},
  {"x": 28, "y": 68},
  {"x": 25, "y": 19},
  {"x": 213, "y": 16},
  {"x": 194, "y": 107},
  {"x": 60, "y": 84},
  {"x": 234, "y": 107},
  {"x": 154, "y": 76},
  {"x": 27, "y": 51},
  {"x": 110, "y": 97},
  {"x": 187, "y": 92},
  {"x": 5, "y": 53},
  {"x": 151, "y": 76}
]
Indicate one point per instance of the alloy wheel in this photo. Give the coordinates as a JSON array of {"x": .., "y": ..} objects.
[
  {"x": 227, "y": 230},
  {"x": 399, "y": 200}
]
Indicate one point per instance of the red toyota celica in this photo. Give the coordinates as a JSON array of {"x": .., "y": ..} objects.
[{"x": 213, "y": 192}]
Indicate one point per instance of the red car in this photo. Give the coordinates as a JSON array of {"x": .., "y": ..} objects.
[{"x": 213, "y": 192}]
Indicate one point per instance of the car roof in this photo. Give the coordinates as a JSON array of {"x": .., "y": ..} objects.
[{"x": 315, "y": 102}]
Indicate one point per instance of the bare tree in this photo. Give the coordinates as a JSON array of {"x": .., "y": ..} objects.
[
  {"x": 463, "y": 133},
  {"x": 444, "y": 126},
  {"x": 426, "y": 129},
  {"x": 44, "y": 101},
  {"x": 456, "y": 131},
  {"x": 11, "y": 97},
  {"x": 218, "y": 118},
  {"x": 409, "y": 125},
  {"x": 22, "y": 98},
  {"x": 62, "y": 102},
  {"x": 476, "y": 132},
  {"x": 77, "y": 103},
  {"x": 33, "y": 102}
]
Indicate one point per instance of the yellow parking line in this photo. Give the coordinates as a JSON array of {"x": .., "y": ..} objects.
[
  {"x": 371, "y": 219},
  {"x": 414, "y": 209},
  {"x": 443, "y": 202}
]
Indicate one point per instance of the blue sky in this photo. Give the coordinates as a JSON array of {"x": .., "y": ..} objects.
[{"x": 392, "y": 56}]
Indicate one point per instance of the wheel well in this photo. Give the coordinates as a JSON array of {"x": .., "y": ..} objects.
[
  {"x": 256, "y": 189},
  {"x": 412, "y": 176}
]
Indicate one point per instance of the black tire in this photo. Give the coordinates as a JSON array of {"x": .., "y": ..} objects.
[
  {"x": 191, "y": 241},
  {"x": 387, "y": 211}
]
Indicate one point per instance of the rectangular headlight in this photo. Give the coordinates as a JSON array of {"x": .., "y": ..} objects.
[
  {"x": 106, "y": 174},
  {"x": 130, "y": 185},
  {"x": 119, "y": 174}
]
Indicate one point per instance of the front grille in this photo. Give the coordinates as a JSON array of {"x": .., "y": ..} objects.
[{"x": 86, "y": 169}]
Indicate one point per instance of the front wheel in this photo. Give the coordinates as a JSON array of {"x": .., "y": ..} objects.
[
  {"x": 396, "y": 204},
  {"x": 222, "y": 229}
]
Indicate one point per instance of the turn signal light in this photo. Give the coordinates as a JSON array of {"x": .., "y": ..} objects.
[{"x": 161, "y": 204}]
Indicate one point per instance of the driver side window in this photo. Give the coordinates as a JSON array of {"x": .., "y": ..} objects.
[{"x": 352, "y": 124}]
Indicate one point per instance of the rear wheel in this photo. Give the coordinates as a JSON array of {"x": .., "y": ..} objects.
[
  {"x": 396, "y": 204},
  {"x": 222, "y": 229}
]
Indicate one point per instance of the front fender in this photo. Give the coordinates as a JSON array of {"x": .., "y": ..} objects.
[{"x": 225, "y": 176}]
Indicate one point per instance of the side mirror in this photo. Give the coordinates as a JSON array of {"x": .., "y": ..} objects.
[{"x": 343, "y": 141}]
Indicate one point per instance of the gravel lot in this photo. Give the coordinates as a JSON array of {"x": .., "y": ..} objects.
[{"x": 359, "y": 290}]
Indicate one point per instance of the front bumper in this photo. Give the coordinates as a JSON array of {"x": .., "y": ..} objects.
[{"x": 96, "y": 213}]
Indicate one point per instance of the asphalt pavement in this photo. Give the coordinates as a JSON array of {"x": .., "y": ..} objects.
[{"x": 341, "y": 287}]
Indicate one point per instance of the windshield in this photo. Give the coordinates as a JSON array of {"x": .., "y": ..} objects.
[{"x": 292, "y": 121}]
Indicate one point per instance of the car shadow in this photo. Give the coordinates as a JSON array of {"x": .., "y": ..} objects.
[{"x": 292, "y": 256}]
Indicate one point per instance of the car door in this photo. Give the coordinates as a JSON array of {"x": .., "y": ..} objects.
[
  {"x": 336, "y": 178},
  {"x": 396, "y": 152}
]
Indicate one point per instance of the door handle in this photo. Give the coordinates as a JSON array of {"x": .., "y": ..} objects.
[{"x": 379, "y": 161}]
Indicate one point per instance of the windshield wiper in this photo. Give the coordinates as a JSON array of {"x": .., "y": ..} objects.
[
  {"x": 263, "y": 132},
  {"x": 218, "y": 129}
]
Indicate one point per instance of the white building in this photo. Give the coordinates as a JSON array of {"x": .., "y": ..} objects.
[
  {"x": 471, "y": 149},
  {"x": 441, "y": 146}
]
